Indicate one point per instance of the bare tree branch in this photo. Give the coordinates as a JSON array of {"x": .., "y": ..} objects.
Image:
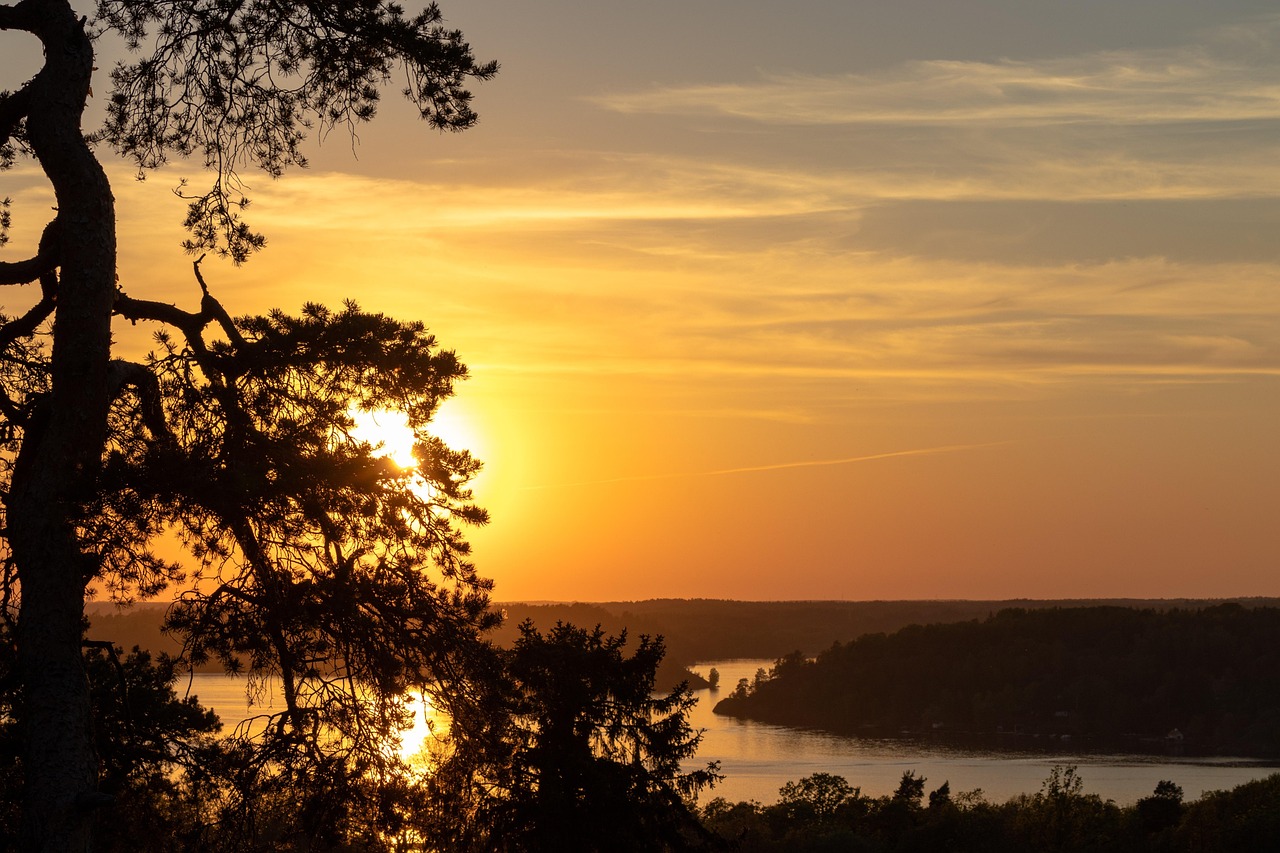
[
  {"x": 27, "y": 324},
  {"x": 44, "y": 262},
  {"x": 13, "y": 109},
  {"x": 121, "y": 374},
  {"x": 211, "y": 307},
  {"x": 17, "y": 17},
  {"x": 134, "y": 310},
  {"x": 14, "y": 413}
]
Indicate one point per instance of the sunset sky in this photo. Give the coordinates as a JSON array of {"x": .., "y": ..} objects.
[{"x": 910, "y": 299}]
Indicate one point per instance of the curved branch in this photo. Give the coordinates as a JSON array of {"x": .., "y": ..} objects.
[
  {"x": 211, "y": 307},
  {"x": 16, "y": 329},
  {"x": 27, "y": 324},
  {"x": 17, "y": 17},
  {"x": 44, "y": 262},
  {"x": 122, "y": 373},
  {"x": 14, "y": 107},
  {"x": 190, "y": 324},
  {"x": 122, "y": 682},
  {"x": 133, "y": 310}
]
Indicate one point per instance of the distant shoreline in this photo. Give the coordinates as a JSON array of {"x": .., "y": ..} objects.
[{"x": 699, "y": 629}]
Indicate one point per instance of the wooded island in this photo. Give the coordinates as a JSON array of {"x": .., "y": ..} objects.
[{"x": 1203, "y": 681}]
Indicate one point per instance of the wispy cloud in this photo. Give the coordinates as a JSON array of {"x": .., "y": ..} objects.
[
  {"x": 1209, "y": 82},
  {"x": 780, "y": 466},
  {"x": 684, "y": 301}
]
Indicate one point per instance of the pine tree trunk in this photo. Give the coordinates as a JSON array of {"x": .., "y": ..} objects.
[{"x": 61, "y": 452}]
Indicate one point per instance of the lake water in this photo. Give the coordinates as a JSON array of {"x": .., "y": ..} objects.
[{"x": 758, "y": 759}]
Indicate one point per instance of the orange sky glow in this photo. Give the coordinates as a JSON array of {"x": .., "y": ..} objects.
[{"x": 932, "y": 299}]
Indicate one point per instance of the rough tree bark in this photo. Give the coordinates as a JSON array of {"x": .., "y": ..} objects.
[{"x": 62, "y": 450}]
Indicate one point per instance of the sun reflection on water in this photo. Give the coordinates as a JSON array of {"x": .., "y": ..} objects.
[
  {"x": 424, "y": 739},
  {"x": 420, "y": 744}
]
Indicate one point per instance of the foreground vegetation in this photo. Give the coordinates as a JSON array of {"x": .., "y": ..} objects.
[
  {"x": 566, "y": 747},
  {"x": 824, "y": 813},
  {"x": 1199, "y": 680}
]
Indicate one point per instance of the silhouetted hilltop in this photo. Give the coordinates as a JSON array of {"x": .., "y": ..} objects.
[
  {"x": 718, "y": 629},
  {"x": 1206, "y": 680},
  {"x": 138, "y": 625},
  {"x": 697, "y": 629}
]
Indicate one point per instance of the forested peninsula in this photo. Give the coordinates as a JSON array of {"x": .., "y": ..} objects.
[{"x": 1202, "y": 681}]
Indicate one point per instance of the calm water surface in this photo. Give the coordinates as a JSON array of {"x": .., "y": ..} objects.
[
  {"x": 757, "y": 759},
  {"x": 230, "y": 697}
]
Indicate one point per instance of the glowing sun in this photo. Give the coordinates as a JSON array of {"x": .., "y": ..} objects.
[{"x": 389, "y": 432}]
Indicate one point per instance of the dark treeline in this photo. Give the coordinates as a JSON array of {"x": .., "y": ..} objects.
[
  {"x": 141, "y": 626},
  {"x": 824, "y": 813},
  {"x": 717, "y": 629},
  {"x": 695, "y": 629},
  {"x": 1207, "y": 681}
]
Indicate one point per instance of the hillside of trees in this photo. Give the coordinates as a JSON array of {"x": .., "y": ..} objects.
[
  {"x": 1206, "y": 681},
  {"x": 693, "y": 629},
  {"x": 717, "y": 629}
]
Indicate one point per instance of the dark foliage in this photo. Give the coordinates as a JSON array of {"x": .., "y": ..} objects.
[
  {"x": 147, "y": 739},
  {"x": 242, "y": 83},
  {"x": 824, "y": 813},
  {"x": 1111, "y": 676},
  {"x": 702, "y": 629},
  {"x": 586, "y": 757},
  {"x": 314, "y": 560}
]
